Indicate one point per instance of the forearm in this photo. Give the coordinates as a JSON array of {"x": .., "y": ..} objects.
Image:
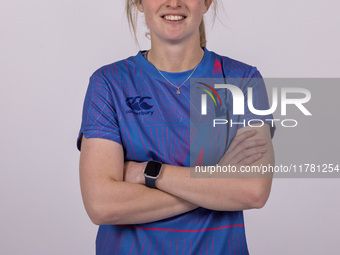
[
  {"x": 128, "y": 203},
  {"x": 110, "y": 200},
  {"x": 230, "y": 192},
  {"x": 225, "y": 194}
]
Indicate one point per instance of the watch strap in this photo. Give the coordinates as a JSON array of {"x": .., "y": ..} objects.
[{"x": 150, "y": 182}]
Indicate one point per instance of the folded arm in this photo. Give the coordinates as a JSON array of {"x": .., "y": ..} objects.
[
  {"x": 113, "y": 191},
  {"x": 110, "y": 200},
  {"x": 237, "y": 191}
]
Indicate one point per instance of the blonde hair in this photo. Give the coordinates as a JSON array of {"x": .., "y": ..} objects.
[{"x": 132, "y": 16}]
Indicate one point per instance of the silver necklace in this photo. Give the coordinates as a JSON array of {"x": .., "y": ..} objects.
[{"x": 177, "y": 87}]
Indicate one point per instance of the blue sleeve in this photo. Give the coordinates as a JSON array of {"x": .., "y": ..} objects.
[
  {"x": 260, "y": 101},
  {"x": 99, "y": 119}
]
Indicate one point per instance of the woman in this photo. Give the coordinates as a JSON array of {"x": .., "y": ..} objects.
[{"x": 136, "y": 112}]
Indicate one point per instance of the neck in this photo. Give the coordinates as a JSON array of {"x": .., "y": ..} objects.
[{"x": 175, "y": 57}]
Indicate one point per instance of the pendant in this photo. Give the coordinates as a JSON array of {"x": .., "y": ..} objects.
[{"x": 178, "y": 92}]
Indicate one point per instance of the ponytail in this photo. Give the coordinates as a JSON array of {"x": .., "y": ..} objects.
[{"x": 203, "y": 39}]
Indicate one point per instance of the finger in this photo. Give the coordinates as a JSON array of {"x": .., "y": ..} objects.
[
  {"x": 244, "y": 146},
  {"x": 251, "y": 159},
  {"x": 251, "y": 144},
  {"x": 238, "y": 146},
  {"x": 241, "y": 138},
  {"x": 247, "y": 153}
]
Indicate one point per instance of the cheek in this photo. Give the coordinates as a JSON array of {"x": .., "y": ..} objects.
[
  {"x": 149, "y": 20},
  {"x": 197, "y": 8}
]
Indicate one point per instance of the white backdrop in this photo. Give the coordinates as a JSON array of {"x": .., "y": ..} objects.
[{"x": 49, "y": 49}]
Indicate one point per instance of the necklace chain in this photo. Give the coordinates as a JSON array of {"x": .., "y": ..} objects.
[{"x": 177, "y": 87}]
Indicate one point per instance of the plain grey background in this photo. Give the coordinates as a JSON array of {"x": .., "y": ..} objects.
[{"x": 49, "y": 49}]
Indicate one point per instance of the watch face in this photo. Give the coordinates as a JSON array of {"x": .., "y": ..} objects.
[{"x": 153, "y": 168}]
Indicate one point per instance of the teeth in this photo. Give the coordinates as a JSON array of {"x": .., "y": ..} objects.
[{"x": 173, "y": 17}]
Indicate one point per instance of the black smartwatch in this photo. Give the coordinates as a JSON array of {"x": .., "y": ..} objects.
[{"x": 151, "y": 173}]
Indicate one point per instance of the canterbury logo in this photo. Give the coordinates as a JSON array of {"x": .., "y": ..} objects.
[{"x": 138, "y": 103}]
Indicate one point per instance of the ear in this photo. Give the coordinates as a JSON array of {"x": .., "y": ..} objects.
[
  {"x": 207, "y": 5},
  {"x": 139, "y": 5}
]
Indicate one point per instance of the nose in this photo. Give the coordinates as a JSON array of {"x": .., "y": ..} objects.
[{"x": 174, "y": 3}]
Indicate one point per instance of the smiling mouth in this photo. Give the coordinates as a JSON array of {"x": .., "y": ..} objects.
[{"x": 173, "y": 17}]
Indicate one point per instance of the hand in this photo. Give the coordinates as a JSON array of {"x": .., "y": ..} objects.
[
  {"x": 244, "y": 152},
  {"x": 134, "y": 172}
]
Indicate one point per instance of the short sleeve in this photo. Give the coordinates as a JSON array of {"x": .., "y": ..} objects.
[
  {"x": 99, "y": 119},
  {"x": 259, "y": 102}
]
